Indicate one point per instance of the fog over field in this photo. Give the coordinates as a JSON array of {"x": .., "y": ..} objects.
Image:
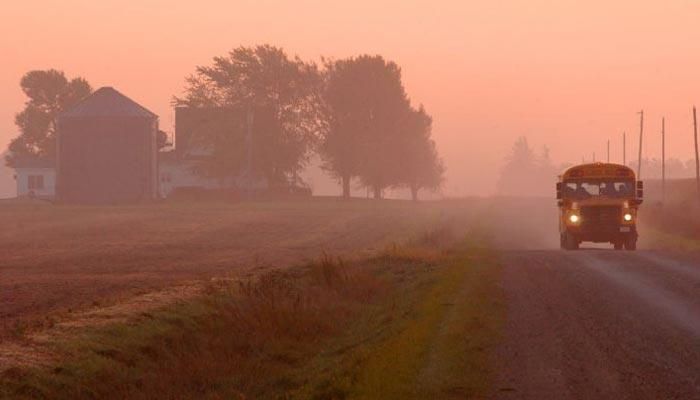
[
  {"x": 567, "y": 75},
  {"x": 349, "y": 200}
]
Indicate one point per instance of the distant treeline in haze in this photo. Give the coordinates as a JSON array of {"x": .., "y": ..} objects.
[
  {"x": 675, "y": 168},
  {"x": 353, "y": 113},
  {"x": 526, "y": 172}
]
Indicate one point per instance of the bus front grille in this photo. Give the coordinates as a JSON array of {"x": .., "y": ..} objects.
[{"x": 600, "y": 217}]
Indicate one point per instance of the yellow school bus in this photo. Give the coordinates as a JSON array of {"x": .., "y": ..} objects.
[{"x": 598, "y": 203}]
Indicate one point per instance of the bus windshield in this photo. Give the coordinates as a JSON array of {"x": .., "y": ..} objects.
[{"x": 606, "y": 188}]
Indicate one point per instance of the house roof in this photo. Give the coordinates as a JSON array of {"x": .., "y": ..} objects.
[
  {"x": 33, "y": 162},
  {"x": 107, "y": 102}
]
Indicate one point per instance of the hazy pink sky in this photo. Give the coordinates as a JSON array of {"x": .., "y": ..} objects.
[{"x": 566, "y": 74}]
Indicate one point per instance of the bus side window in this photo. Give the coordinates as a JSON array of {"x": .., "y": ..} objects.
[{"x": 569, "y": 189}]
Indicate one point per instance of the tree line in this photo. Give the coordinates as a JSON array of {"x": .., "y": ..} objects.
[
  {"x": 353, "y": 113},
  {"x": 527, "y": 172},
  {"x": 675, "y": 168}
]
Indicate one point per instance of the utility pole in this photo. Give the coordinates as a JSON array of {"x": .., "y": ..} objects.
[
  {"x": 594, "y": 157},
  {"x": 608, "y": 151},
  {"x": 663, "y": 160},
  {"x": 697, "y": 159},
  {"x": 624, "y": 148},
  {"x": 641, "y": 135},
  {"x": 249, "y": 145}
]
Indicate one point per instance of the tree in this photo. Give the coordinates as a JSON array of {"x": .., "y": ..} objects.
[
  {"x": 423, "y": 168},
  {"x": 162, "y": 140},
  {"x": 366, "y": 104},
  {"x": 262, "y": 78},
  {"x": 525, "y": 174},
  {"x": 49, "y": 93},
  {"x": 547, "y": 171}
]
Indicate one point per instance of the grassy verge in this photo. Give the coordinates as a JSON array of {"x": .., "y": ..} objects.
[
  {"x": 413, "y": 322},
  {"x": 662, "y": 239},
  {"x": 675, "y": 224},
  {"x": 436, "y": 344}
]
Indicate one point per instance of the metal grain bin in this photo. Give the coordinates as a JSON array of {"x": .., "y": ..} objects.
[{"x": 107, "y": 151}]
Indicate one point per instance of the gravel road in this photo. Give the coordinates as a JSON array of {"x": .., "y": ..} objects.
[{"x": 600, "y": 324}]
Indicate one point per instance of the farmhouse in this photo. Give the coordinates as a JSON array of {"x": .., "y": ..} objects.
[
  {"x": 35, "y": 178},
  {"x": 182, "y": 168}
]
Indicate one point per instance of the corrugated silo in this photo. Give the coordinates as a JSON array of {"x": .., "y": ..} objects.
[{"x": 107, "y": 151}]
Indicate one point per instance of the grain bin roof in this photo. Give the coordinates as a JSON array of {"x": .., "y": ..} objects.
[{"x": 107, "y": 102}]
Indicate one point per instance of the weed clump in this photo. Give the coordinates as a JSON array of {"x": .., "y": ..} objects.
[{"x": 306, "y": 307}]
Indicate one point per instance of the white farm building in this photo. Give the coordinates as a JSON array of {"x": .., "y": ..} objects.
[{"x": 35, "y": 178}]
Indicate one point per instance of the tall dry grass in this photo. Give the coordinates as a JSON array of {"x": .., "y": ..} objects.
[{"x": 241, "y": 340}]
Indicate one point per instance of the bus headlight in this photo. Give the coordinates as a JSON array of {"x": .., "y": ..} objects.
[
  {"x": 627, "y": 217},
  {"x": 574, "y": 218}
]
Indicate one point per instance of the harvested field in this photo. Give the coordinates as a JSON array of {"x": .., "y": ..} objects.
[
  {"x": 57, "y": 260},
  {"x": 411, "y": 322}
]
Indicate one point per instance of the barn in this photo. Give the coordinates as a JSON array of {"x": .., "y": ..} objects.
[{"x": 106, "y": 151}]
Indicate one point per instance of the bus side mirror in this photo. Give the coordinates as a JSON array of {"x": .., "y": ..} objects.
[{"x": 559, "y": 186}]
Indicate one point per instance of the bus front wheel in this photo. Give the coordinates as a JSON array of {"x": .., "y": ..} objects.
[{"x": 569, "y": 241}]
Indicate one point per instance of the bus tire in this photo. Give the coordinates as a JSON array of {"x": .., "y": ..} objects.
[
  {"x": 631, "y": 243},
  {"x": 570, "y": 242},
  {"x": 618, "y": 245}
]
